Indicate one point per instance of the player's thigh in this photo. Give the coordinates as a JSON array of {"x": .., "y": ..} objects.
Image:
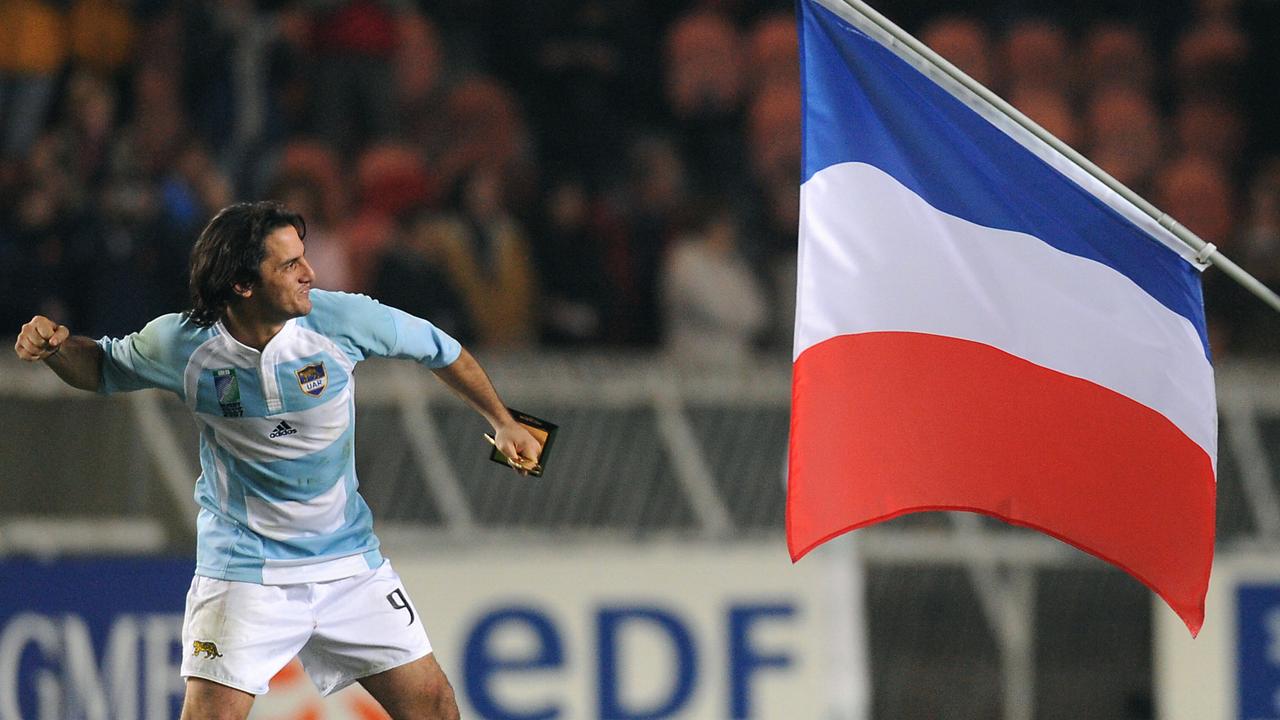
[
  {"x": 239, "y": 635},
  {"x": 414, "y": 691},
  {"x": 208, "y": 700},
  {"x": 364, "y": 625}
]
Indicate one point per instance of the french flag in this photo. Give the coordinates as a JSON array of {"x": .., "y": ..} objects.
[{"x": 983, "y": 326}]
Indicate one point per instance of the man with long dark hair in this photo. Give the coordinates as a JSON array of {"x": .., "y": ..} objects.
[{"x": 286, "y": 563}]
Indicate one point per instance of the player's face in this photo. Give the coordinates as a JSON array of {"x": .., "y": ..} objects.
[{"x": 285, "y": 276}]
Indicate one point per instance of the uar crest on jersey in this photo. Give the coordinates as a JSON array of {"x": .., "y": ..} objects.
[{"x": 312, "y": 379}]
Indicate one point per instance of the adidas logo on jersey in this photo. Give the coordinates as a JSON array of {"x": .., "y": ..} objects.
[{"x": 283, "y": 429}]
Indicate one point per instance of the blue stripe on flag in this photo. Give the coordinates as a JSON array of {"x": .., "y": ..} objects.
[{"x": 862, "y": 103}]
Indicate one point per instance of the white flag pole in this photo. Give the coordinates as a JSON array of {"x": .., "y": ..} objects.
[{"x": 1206, "y": 252}]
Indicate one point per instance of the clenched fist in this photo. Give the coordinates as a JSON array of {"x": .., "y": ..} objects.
[{"x": 40, "y": 338}]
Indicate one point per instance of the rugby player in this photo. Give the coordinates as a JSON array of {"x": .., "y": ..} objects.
[{"x": 287, "y": 563}]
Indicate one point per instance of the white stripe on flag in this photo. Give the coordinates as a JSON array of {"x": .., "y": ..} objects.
[
  {"x": 1024, "y": 137},
  {"x": 877, "y": 257}
]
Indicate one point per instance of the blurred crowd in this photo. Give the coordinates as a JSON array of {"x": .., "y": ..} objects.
[{"x": 558, "y": 173}]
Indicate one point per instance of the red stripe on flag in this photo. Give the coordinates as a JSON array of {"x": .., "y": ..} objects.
[{"x": 888, "y": 423}]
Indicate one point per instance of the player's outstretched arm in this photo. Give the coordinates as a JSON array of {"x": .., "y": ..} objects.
[
  {"x": 469, "y": 380},
  {"x": 75, "y": 359}
]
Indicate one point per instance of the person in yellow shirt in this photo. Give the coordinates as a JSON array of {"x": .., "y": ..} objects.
[
  {"x": 101, "y": 35},
  {"x": 33, "y": 49}
]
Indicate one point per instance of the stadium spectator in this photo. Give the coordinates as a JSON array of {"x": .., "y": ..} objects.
[
  {"x": 484, "y": 129},
  {"x": 1049, "y": 110},
  {"x": 1124, "y": 135},
  {"x": 1211, "y": 128},
  {"x": 38, "y": 240},
  {"x": 774, "y": 135},
  {"x": 965, "y": 43},
  {"x": 775, "y": 53},
  {"x": 159, "y": 121},
  {"x": 366, "y": 234},
  {"x": 768, "y": 240},
  {"x": 474, "y": 271},
  {"x": 194, "y": 190},
  {"x": 1240, "y": 324},
  {"x": 91, "y": 124},
  {"x": 207, "y": 83},
  {"x": 50, "y": 164},
  {"x": 1216, "y": 10},
  {"x": 33, "y": 49},
  {"x": 1038, "y": 55},
  {"x": 571, "y": 248},
  {"x": 354, "y": 44},
  {"x": 123, "y": 242},
  {"x": 1259, "y": 237},
  {"x": 1198, "y": 192},
  {"x": 1116, "y": 54},
  {"x": 414, "y": 271},
  {"x": 288, "y": 72},
  {"x": 712, "y": 303},
  {"x": 1210, "y": 60},
  {"x": 419, "y": 61},
  {"x": 390, "y": 180},
  {"x": 648, "y": 209},
  {"x": 102, "y": 36},
  {"x": 318, "y": 165},
  {"x": 494, "y": 267},
  {"x": 705, "y": 87},
  {"x": 583, "y": 68}
]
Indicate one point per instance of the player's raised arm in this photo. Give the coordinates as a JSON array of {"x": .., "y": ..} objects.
[
  {"x": 465, "y": 377},
  {"x": 77, "y": 360}
]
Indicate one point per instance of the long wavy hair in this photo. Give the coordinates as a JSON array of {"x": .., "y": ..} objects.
[{"x": 229, "y": 251}]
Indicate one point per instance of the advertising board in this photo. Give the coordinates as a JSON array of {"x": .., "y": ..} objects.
[
  {"x": 1232, "y": 670},
  {"x": 624, "y": 631}
]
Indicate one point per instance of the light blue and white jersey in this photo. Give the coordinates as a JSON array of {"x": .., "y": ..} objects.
[{"x": 277, "y": 490}]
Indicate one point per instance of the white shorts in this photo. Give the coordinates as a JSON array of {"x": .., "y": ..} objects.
[{"x": 241, "y": 634}]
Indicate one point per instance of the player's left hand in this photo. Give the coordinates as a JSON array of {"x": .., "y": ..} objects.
[{"x": 518, "y": 444}]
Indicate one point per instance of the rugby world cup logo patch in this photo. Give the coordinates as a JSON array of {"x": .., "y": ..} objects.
[
  {"x": 227, "y": 388},
  {"x": 312, "y": 379}
]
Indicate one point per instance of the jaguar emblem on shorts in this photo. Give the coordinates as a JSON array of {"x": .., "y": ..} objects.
[
  {"x": 312, "y": 379},
  {"x": 208, "y": 649}
]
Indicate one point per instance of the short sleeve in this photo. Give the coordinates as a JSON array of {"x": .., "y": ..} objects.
[
  {"x": 144, "y": 359},
  {"x": 418, "y": 339},
  {"x": 366, "y": 328}
]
